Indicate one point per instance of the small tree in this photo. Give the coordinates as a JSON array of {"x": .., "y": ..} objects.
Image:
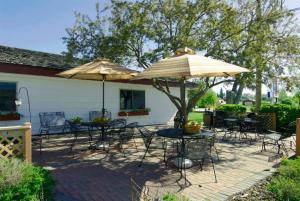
[{"x": 209, "y": 100}]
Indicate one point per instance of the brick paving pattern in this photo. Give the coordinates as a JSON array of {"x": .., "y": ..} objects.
[{"x": 86, "y": 175}]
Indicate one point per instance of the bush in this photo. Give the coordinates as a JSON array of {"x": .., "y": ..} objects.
[
  {"x": 286, "y": 186},
  {"x": 209, "y": 100},
  {"x": 232, "y": 108},
  {"x": 285, "y": 114},
  {"x": 23, "y": 181},
  {"x": 287, "y": 101},
  {"x": 173, "y": 197}
]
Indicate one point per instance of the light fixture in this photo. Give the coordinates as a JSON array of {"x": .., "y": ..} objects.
[{"x": 18, "y": 101}]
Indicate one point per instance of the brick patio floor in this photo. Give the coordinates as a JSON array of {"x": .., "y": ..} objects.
[{"x": 86, "y": 175}]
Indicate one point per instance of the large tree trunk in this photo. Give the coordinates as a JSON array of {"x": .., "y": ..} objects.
[
  {"x": 238, "y": 95},
  {"x": 258, "y": 89}
]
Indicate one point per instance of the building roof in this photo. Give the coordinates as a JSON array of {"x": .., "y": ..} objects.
[{"x": 10, "y": 55}]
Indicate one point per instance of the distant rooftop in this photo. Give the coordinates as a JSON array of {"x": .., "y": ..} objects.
[{"x": 19, "y": 56}]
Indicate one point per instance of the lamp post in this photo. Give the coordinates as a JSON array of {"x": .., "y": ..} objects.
[{"x": 18, "y": 101}]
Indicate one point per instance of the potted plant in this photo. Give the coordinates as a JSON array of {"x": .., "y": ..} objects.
[{"x": 76, "y": 120}]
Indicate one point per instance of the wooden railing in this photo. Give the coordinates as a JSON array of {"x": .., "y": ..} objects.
[{"x": 15, "y": 141}]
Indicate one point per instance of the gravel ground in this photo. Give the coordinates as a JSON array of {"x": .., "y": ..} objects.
[{"x": 255, "y": 193}]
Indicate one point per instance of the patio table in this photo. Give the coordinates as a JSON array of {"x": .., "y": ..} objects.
[
  {"x": 97, "y": 126},
  {"x": 177, "y": 133}
]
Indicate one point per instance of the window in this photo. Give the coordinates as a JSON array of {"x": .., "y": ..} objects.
[
  {"x": 132, "y": 99},
  {"x": 7, "y": 96}
]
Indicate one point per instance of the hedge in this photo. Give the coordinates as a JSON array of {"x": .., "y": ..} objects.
[
  {"x": 232, "y": 108},
  {"x": 285, "y": 114}
]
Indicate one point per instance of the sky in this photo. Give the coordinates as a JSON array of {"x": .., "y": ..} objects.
[{"x": 40, "y": 24}]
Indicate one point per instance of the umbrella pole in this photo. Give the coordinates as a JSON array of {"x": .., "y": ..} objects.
[
  {"x": 183, "y": 102},
  {"x": 103, "y": 93}
]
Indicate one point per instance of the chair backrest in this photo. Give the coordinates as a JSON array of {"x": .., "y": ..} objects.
[
  {"x": 251, "y": 115},
  {"x": 289, "y": 130},
  {"x": 96, "y": 114},
  {"x": 200, "y": 148},
  {"x": 52, "y": 119},
  {"x": 132, "y": 125},
  {"x": 147, "y": 135},
  {"x": 118, "y": 124}
]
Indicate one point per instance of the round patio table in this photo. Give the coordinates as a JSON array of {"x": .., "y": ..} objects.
[
  {"x": 98, "y": 126},
  {"x": 177, "y": 133}
]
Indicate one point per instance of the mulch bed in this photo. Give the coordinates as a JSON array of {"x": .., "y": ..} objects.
[{"x": 255, "y": 193}]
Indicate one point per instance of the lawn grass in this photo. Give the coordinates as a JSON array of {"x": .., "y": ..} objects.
[{"x": 196, "y": 116}]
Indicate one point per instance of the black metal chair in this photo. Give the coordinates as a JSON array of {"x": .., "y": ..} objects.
[
  {"x": 52, "y": 123},
  {"x": 77, "y": 129},
  {"x": 96, "y": 114},
  {"x": 122, "y": 133},
  {"x": 147, "y": 136},
  {"x": 199, "y": 150},
  {"x": 277, "y": 138}
]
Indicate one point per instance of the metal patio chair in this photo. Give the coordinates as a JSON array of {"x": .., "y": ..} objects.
[
  {"x": 277, "y": 138},
  {"x": 76, "y": 130},
  {"x": 199, "y": 150},
  {"x": 148, "y": 137},
  {"x": 51, "y": 123}
]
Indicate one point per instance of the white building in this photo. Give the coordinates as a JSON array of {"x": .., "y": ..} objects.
[{"x": 48, "y": 93}]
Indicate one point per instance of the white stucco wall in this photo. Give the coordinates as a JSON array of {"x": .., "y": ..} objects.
[{"x": 78, "y": 97}]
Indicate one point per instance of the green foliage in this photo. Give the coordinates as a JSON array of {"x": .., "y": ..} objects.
[
  {"x": 76, "y": 120},
  {"x": 285, "y": 114},
  {"x": 287, "y": 101},
  {"x": 232, "y": 108},
  {"x": 195, "y": 116},
  {"x": 209, "y": 100},
  {"x": 286, "y": 186},
  {"x": 173, "y": 197},
  {"x": 20, "y": 181}
]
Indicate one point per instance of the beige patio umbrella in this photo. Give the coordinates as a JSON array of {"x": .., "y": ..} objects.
[
  {"x": 184, "y": 65},
  {"x": 100, "y": 69}
]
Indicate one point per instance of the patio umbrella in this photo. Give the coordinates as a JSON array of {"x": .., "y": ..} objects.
[
  {"x": 100, "y": 69},
  {"x": 184, "y": 65}
]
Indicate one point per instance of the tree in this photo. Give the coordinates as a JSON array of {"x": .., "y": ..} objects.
[
  {"x": 221, "y": 95},
  {"x": 209, "y": 100},
  {"x": 269, "y": 45},
  {"x": 138, "y": 33}
]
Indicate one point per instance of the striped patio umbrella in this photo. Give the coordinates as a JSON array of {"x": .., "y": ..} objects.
[
  {"x": 100, "y": 69},
  {"x": 186, "y": 64}
]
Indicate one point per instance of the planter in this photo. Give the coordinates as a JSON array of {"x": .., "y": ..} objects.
[
  {"x": 9, "y": 117},
  {"x": 133, "y": 113}
]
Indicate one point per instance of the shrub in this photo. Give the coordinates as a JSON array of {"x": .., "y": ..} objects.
[
  {"x": 285, "y": 114},
  {"x": 23, "y": 181},
  {"x": 286, "y": 186},
  {"x": 209, "y": 100},
  {"x": 173, "y": 197},
  {"x": 232, "y": 108}
]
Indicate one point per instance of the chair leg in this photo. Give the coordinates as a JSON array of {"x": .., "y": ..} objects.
[
  {"x": 144, "y": 156},
  {"x": 73, "y": 142},
  {"x": 216, "y": 152},
  {"x": 212, "y": 162}
]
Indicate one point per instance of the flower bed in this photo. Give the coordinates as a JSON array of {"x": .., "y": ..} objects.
[
  {"x": 133, "y": 113},
  {"x": 10, "y": 117}
]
